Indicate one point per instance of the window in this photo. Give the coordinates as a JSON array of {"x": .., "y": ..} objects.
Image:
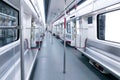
[
  {"x": 8, "y": 15},
  {"x": 61, "y": 28},
  {"x": 109, "y": 26},
  {"x": 7, "y": 36},
  {"x": 8, "y": 18},
  {"x": 90, "y": 20},
  {"x": 68, "y": 27}
]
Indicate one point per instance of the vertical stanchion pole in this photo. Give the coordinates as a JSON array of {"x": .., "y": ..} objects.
[
  {"x": 21, "y": 44},
  {"x": 39, "y": 29},
  {"x": 64, "y": 64},
  {"x": 75, "y": 26},
  {"x": 64, "y": 57},
  {"x": 22, "y": 56}
]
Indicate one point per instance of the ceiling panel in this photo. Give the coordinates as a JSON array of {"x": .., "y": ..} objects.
[{"x": 55, "y": 8}]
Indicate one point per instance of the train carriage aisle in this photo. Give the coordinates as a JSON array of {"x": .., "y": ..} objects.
[
  {"x": 49, "y": 64},
  {"x": 65, "y": 40}
]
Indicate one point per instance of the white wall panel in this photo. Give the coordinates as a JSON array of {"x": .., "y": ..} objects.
[{"x": 98, "y": 4}]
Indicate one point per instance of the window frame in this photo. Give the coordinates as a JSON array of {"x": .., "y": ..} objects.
[
  {"x": 14, "y": 28},
  {"x": 104, "y": 29}
]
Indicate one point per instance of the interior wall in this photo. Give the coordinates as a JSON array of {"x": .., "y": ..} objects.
[{"x": 26, "y": 24}]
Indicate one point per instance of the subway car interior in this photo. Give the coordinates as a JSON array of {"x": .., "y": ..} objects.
[{"x": 59, "y": 40}]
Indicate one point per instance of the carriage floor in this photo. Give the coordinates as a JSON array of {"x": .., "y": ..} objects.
[{"x": 49, "y": 63}]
